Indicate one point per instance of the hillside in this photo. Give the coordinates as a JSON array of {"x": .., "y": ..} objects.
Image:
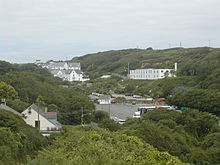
[
  {"x": 201, "y": 62},
  {"x": 23, "y": 85},
  {"x": 19, "y": 141},
  {"x": 85, "y": 145}
]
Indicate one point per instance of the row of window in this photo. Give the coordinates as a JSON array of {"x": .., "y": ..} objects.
[
  {"x": 147, "y": 71},
  {"x": 146, "y": 76}
]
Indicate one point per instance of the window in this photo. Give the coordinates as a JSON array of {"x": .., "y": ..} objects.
[
  {"x": 29, "y": 111},
  {"x": 37, "y": 124}
]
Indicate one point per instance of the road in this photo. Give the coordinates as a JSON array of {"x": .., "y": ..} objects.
[{"x": 122, "y": 111}]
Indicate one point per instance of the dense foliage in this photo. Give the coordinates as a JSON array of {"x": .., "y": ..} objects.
[
  {"x": 190, "y": 135},
  {"x": 25, "y": 84},
  {"x": 204, "y": 100},
  {"x": 84, "y": 145},
  {"x": 18, "y": 140}
]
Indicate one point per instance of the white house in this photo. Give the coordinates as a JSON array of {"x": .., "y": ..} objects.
[
  {"x": 45, "y": 121},
  {"x": 104, "y": 99},
  {"x": 69, "y": 74},
  {"x": 66, "y": 70},
  {"x": 152, "y": 74}
]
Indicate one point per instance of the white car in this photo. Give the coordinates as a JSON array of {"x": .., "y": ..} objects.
[{"x": 137, "y": 115}]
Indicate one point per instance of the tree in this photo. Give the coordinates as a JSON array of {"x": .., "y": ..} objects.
[
  {"x": 204, "y": 100},
  {"x": 7, "y": 91},
  {"x": 99, "y": 116}
]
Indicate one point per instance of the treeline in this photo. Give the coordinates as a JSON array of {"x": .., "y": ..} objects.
[
  {"x": 191, "y": 135},
  {"x": 204, "y": 100},
  {"x": 86, "y": 145}
]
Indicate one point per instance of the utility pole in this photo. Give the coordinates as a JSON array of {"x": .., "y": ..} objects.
[
  {"x": 128, "y": 69},
  {"x": 82, "y": 116},
  {"x": 109, "y": 109},
  {"x": 38, "y": 117}
]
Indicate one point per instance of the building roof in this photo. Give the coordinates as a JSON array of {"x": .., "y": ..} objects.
[
  {"x": 78, "y": 71},
  {"x": 42, "y": 113},
  {"x": 7, "y": 108},
  {"x": 104, "y": 97},
  {"x": 54, "y": 71},
  {"x": 68, "y": 71},
  {"x": 57, "y": 64},
  {"x": 72, "y": 64}
]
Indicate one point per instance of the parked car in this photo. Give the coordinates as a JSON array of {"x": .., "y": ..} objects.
[
  {"x": 133, "y": 103},
  {"x": 114, "y": 101},
  {"x": 161, "y": 100}
]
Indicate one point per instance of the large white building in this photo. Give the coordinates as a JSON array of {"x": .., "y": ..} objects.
[
  {"x": 65, "y": 70},
  {"x": 152, "y": 74}
]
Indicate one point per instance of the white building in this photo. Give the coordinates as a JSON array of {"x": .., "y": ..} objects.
[
  {"x": 104, "y": 99},
  {"x": 45, "y": 121},
  {"x": 62, "y": 65},
  {"x": 66, "y": 70},
  {"x": 152, "y": 74}
]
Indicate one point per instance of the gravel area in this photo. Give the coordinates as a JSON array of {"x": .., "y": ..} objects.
[{"x": 122, "y": 111}]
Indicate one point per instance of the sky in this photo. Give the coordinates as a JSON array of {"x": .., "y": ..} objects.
[{"x": 62, "y": 29}]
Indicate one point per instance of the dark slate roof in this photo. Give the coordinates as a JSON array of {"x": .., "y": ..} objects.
[
  {"x": 42, "y": 113},
  {"x": 71, "y": 64},
  {"x": 68, "y": 71},
  {"x": 7, "y": 108},
  {"x": 54, "y": 71},
  {"x": 78, "y": 71},
  {"x": 58, "y": 64}
]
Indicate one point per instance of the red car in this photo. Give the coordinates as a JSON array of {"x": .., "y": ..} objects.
[
  {"x": 161, "y": 100},
  {"x": 114, "y": 102}
]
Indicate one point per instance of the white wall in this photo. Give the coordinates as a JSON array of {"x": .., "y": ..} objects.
[
  {"x": 31, "y": 118},
  {"x": 149, "y": 74}
]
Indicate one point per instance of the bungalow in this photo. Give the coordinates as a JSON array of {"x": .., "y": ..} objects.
[{"x": 44, "y": 121}]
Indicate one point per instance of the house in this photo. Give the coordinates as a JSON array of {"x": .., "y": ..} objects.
[
  {"x": 104, "y": 99},
  {"x": 152, "y": 74},
  {"x": 44, "y": 121},
  {"x": 69, "y": 74},
  {"x": 62, "y": 65},
  {"x": 68, "y": 71},
  {"x": 7, "y": 108}
]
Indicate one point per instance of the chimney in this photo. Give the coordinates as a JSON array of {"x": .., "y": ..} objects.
[
  {"x": 175, "y": 66},
  {"x": 3, "y": 101}
]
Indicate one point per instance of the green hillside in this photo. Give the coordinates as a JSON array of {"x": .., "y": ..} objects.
[
  {"x": 18, "y": 141},
  {"x": 202, "y": 62}
]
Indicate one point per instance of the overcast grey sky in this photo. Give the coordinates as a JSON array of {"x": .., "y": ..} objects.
[{"x": 60, "y": 29}]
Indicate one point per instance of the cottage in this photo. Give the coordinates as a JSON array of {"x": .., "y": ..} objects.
[{"x": 44, "y": 121}]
